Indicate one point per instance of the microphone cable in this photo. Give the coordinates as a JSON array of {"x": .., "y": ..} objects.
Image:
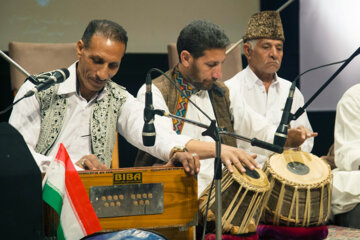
[
  {"x": 181, "y": 91},
  {"x": 42, "y": 77},
  {"x": 314, "y": 68}
]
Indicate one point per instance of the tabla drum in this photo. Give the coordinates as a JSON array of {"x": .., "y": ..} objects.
[
  {"x": 242, "y": 201},
  {"x": 300, "y": 189}
]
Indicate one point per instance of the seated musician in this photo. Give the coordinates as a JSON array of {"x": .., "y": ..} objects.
[
  {"x": 85, "y": 112},
  {"x": 201, "y": 46},
  {"x": 345, "y": 205},
  {"x": 258, "y": 84}
]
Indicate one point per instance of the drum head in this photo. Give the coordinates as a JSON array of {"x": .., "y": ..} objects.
[
  {"x": 252, "y": 178},
  {"x": 299, "y": 167}
]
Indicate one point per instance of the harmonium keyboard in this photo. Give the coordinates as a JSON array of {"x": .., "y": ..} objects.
[{"x": 157, "y": 198}]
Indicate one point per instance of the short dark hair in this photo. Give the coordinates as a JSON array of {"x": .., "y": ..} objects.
[
  {"x": 201, "y": 35},
  {"x": 106, "y": 28}
]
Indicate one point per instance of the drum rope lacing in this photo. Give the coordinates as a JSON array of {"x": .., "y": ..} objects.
[
  {"x": 272, "y": 175},
  {"x": 246, "y": 187}
]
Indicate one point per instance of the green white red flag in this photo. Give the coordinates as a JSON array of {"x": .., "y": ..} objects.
[{"x": 64, "y": 191}]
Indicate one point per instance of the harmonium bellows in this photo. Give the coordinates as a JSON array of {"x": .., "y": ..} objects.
[{"x": 158, "y": 198}]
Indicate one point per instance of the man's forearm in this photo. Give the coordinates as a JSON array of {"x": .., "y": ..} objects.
[{"x": 203, "y": 149}]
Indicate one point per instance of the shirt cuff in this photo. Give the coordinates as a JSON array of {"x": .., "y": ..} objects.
[{"x": 181, "y": 140}]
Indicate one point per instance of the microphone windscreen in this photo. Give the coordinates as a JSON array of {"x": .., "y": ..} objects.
[
  {"x": 66, "y": 72},
  {"x": 61, "y": 74},
  {"x": 148, "y": 135}
]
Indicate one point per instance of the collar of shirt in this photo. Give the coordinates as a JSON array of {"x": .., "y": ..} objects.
[
  {"x": 187, "y": 88},
  {"x": 69, "y": 85},
  {"x": 252, "y": 80}
]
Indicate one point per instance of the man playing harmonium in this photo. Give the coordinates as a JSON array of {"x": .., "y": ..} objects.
[{"x": 85, "y": 112}]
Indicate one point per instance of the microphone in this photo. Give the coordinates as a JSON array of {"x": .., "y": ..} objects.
[
  {"x": 272, "y": 147},
  {"x": 254, "y": 142},
  {"x": 301, "y": 110},
  {"x": 281, "y": 132},
  {"x": 51, "y": 78},
  {"x": 33, "y": 79},
  {"x": 148, "y": 133}
]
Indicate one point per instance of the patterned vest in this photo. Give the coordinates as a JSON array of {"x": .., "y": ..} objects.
[
  {"x": 105, "y": 113},
  {"x": 220, "y": 102}
]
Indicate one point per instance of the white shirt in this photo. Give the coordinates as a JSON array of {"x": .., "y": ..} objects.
[
  {"x": 247, "y": 86},
  {"x": 243, "y": 125},
  {"x": 75, "y": 133},
  {"x": 346, "y": 177}
]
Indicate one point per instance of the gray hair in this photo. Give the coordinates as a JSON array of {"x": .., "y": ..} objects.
[
  {"x": 201, "y": 35},
  {"x": 252, "y": 43}
]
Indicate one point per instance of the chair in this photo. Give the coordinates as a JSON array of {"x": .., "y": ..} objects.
[
  {"x": 42, "y": 57},
  {"x": 231, "y": 66},
  {"x": 39, "y": 57}
]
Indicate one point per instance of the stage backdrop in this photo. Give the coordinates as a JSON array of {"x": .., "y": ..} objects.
[
  {"x": 329, "y": 32},
  {"x": 151, "y": 24}
]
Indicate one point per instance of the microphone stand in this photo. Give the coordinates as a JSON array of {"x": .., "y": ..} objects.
[
  {"x": 213, "y": 131},
  {"x": 301, "y": 110},
  {"x": 253, "y": 141},
  {"x": 31, "y": 78},
  {"x": 15, "y": 64}
]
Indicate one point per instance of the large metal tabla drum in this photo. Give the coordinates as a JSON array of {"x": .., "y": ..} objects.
[
  {"x": 300, "y": 189},
  {"x": 243, "y": 197}
]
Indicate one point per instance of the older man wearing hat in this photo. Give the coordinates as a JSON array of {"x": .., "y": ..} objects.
[
  {"x": 266, "y": 93},
  {"x": 258, "y": 84}
]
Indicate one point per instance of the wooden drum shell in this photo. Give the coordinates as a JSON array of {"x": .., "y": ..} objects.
[
  {"x": 242, "y": 202},
  {"x": 300, "y": 198}
]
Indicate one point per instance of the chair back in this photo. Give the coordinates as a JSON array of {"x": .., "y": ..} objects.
[{"x": 39, "y": 57}]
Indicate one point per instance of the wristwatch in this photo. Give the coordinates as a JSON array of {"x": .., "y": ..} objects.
[{"x": 177, "y": 149}]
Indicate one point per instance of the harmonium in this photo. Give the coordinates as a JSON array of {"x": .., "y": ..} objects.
[{"x": 155, "y": 198}]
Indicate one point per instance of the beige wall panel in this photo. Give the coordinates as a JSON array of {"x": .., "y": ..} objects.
[{"x": 150, "y": 24}]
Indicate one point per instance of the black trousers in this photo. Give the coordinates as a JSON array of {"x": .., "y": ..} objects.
[{"x": 349, "y": 219}]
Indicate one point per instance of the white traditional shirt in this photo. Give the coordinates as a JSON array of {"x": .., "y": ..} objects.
[
  {"x": 346, "y": 177},
  {"x": 75, "y": 133},
  {"x": 244, "y": 120},
  {"x": 246, "y": 86}
]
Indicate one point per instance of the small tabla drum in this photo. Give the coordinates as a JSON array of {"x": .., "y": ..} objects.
[
  {"x": 300, "y": 189},
  {"x": 242, "y": 202}
]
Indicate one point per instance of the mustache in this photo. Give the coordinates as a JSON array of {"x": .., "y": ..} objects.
[
  {"x": 274, "y": 61},
  {"x": 98, "y": 79}
]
